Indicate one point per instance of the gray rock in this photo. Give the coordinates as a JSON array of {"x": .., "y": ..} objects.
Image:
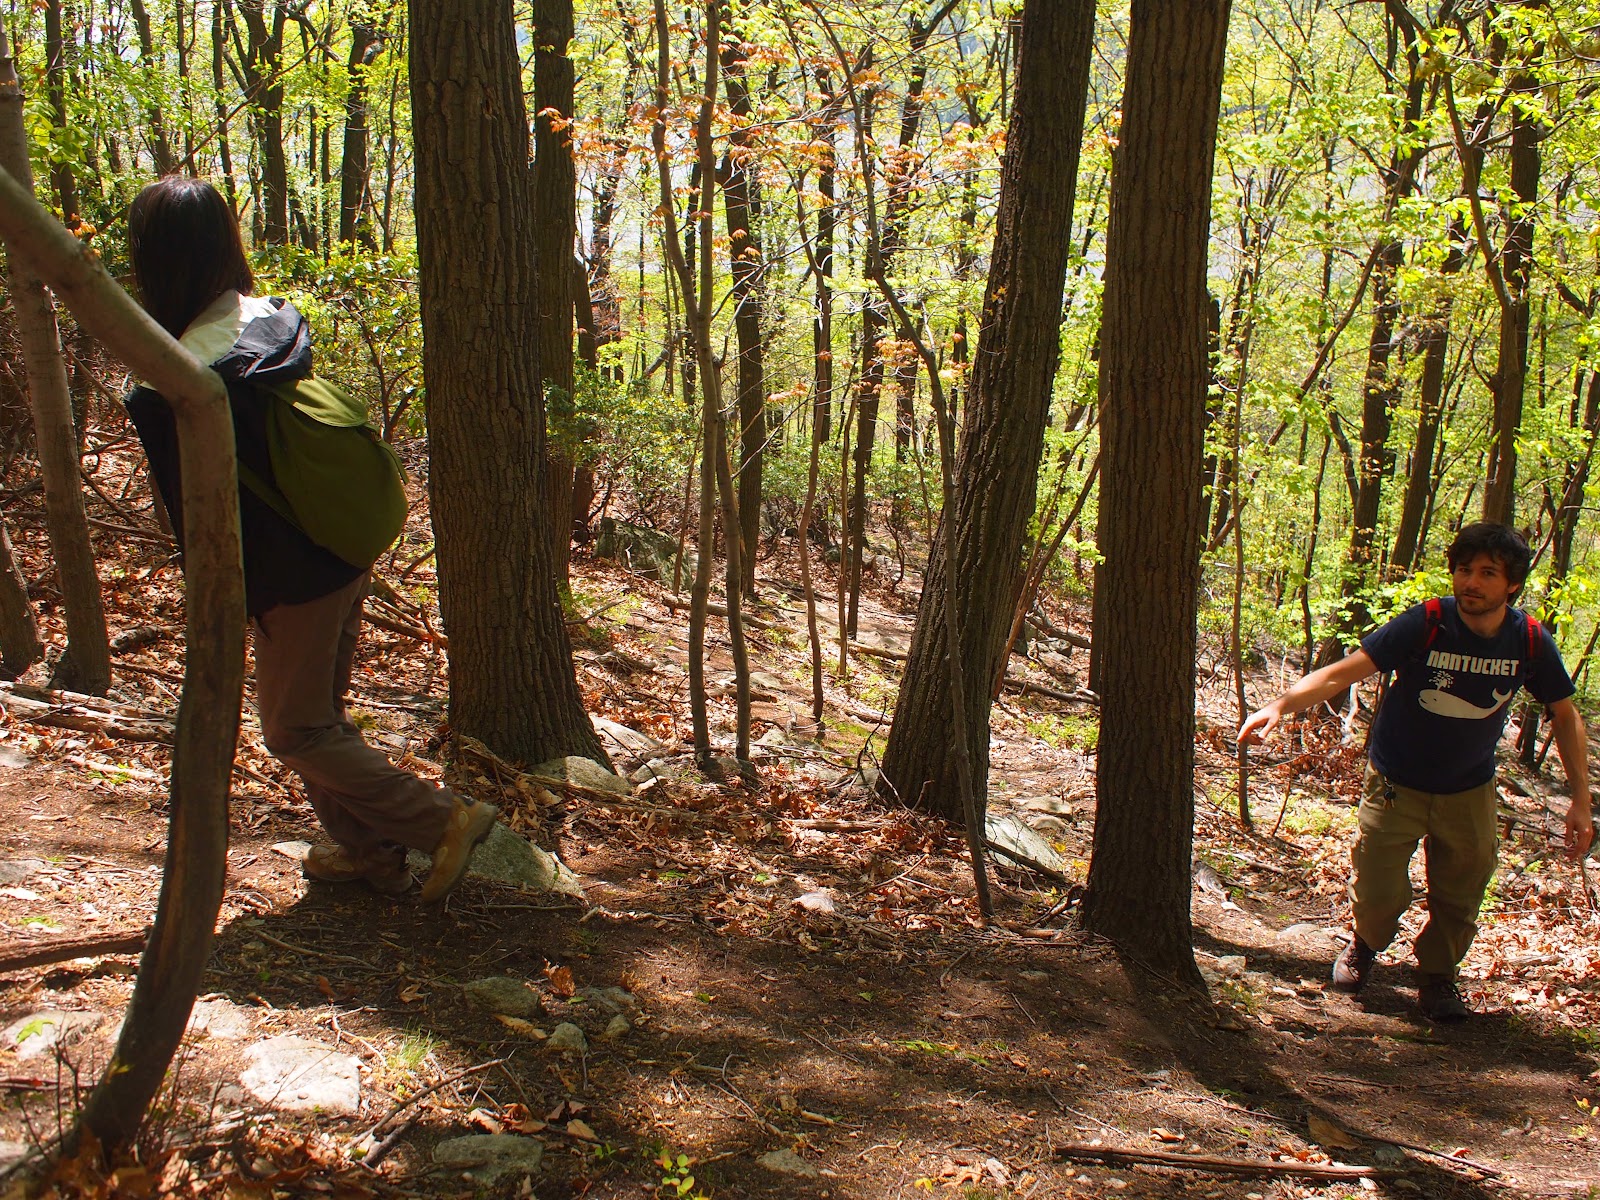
[
  {"x": 567, "y": 1038},
  {"x": 507, "y": 857},
  {"x": 616, "y": 1027},
  {"x": 643, "y": 551},
  {"x": 220, "y": 1019},
  {"x": 11, "y": 1152},
  {"x": 1305, "y": 929},
  {"x": 787, "y": 1162},
  {"x": 491, "y": 1157},
  {"x": 14, "y": 870},
  {"x": 631, "y": 741},
  {"x": 764, "y": 685},
  {"x": 1012, "y": 839},
  {"x": 44, "y": 1031},
  {"x": 609, "y": 999},
  {"x": 502, "y": 994},
  {"x": 585, "y": 773},
  {"x": 293, "y": 1075},
  {"x": 11, "y": 757},
  {"x": 651, "y": 772},
  {"x": 819, "y": 902}
]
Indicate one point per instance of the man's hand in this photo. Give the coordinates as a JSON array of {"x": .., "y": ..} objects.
[
  {"x": 1259, "y": 725},
  {"x": 1580, "y": 828}
]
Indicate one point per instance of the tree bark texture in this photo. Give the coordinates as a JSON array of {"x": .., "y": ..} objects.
[
  {"x": 512, "y": 684},
  {"x": 20, "y": 647},
  {"x": 1153, "y": 378},
  {"x": 62, "y": 178},
  {"x": 261, "y": 63},
  {"x": 1516, "y": 265},
  {"x": 741, "y": 205},
  {"x": 1430, "y": 406},
  {"x": 555, "y": 190},
  {"x": 354, "y": 164},
  {"x": 208, "y": 715},
  {"x": 86, "y": 664},
  {"x": 996, "y": 471}
]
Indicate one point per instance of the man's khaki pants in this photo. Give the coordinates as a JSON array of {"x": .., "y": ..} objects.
[
  {"x": 1458, "y": 836},
  {"x": 304, "y": 655}
]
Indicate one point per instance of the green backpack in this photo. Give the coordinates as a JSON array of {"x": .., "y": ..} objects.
[{"x": 339, "y": 483}]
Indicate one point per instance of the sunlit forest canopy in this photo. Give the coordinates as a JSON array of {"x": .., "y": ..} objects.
[{"x": 1402, "y": 257}]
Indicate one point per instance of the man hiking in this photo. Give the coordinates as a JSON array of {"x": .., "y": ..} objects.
[{"x": 1431, "y": 772}]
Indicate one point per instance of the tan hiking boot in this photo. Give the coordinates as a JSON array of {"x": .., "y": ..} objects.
[
  {"x": 469, "y": 824},
  {"x": 386, "y": 873}
]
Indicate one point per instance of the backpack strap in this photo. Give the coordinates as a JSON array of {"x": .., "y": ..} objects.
[{"x": 1433, "y": 617}]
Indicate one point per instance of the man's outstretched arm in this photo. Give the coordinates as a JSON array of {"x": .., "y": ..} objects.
[
  {"x": 1572, "y": 744},
  {"x": 1310, "y": 691}
]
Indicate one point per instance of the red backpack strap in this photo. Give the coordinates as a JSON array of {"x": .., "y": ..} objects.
[
  {"x": 1534, "y": 640},
  {"x": 1433, "y": 617}
]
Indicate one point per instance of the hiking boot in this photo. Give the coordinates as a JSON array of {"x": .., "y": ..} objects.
[
  {"x": 1353, "y": 967},
  {"x": 386, "y": 873},
  {"x": 1440, "y": 999},
  {"x": 469, "y": 824}
]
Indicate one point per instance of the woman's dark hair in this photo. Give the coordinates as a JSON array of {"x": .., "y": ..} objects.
[
  {"x": 185, "y": 248},
  {"x": 1499, "y": 542}
]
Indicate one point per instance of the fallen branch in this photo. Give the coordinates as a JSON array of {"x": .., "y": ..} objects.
[
  {"x": 87, "y": 714},
  {"x": 40, "y": 954},
  {"x": 1022, "y": 859},
  {"x": 1221, "y": 1165},
  {"x": 1025, "y": 687},
  {"x": 406, "y": 629}
]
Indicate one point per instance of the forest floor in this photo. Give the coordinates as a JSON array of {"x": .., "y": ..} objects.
[{"x": 809, "y": 1007}]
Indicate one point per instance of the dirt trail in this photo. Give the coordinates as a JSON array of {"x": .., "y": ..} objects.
[{"x": 807, "y": 1007}]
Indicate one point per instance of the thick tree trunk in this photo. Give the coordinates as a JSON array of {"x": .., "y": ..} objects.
[
  {"x": 996, "y": 472},
  {"x": 86, "y": 664},
  {"x": 555, "y": 191},
  {"x": 355, "y": 165},
  {"x": 741, "y": 204},
  {"x": 208, "y": 715},
  {"x": 1153, "y": 378},
  {"x": 512, "y": 684}
]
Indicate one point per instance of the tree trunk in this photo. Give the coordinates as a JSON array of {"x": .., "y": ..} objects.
[
  {"x": 261, "y": 65},
  {"x": 741, "y": 204},
  {"x": 1153, "y": 378},
  {"x": 20, "y": 647},
  {"x": 354, "y": 165},
  {"x": 160, "y": 143},
  {"x": 220, "y": 14},
  {"x": 86, "y": 665},
  {"x": 1430, "y": 408},
  {"x": 996, "y": 471},
  {"x": 555, "y": 206},
  {"x": 1516, "y": 267},
  {"x": 62, "y": 179},
  {"x": 208, "y": 715},
  {"x": 512, "y": 684}
]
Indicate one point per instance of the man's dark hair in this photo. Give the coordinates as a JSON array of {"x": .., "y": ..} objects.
[
  {"x": 185, "y": 248},
  {"x": 1499, "y": 542}
]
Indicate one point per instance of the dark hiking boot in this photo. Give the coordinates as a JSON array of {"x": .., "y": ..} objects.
[
  {"x": 1440, "y": 999},
  {"x": 469, "y": 824},
  {"x": 386, "y": 873},
  {"x": 1353, "y": 967}
]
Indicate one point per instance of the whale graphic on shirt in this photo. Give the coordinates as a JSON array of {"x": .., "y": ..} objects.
[{"x": 1446, "y": 705}]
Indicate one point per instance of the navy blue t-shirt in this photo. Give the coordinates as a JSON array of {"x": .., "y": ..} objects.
[{"x": 1438, "y": 728}]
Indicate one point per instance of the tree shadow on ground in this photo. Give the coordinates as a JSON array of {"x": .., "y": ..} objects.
[{"x": 1372, "y": 1067}]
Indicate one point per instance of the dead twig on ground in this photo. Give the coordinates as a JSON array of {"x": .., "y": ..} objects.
[
  {"x": 38, "y": 954},
  {"x": 1221, "y": 1165}
]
